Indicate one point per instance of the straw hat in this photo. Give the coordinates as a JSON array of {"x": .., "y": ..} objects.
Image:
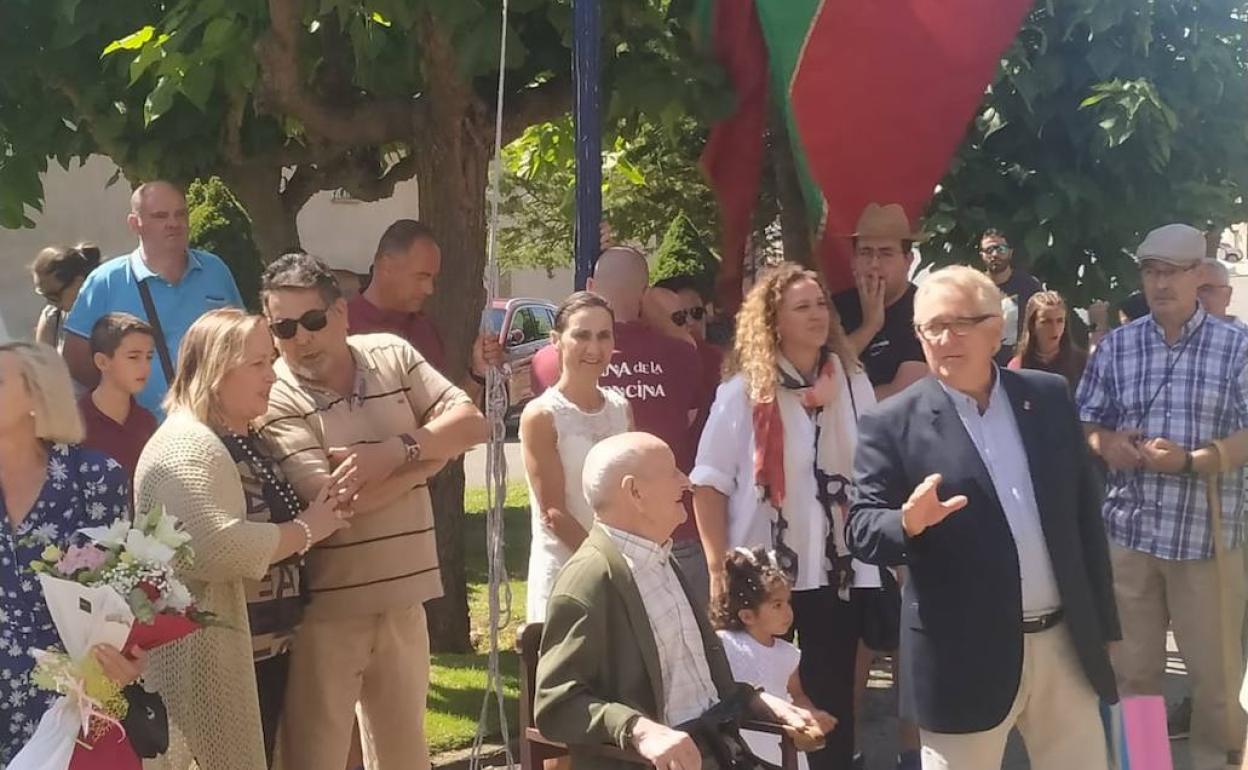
[{"x": 888, "y": 221}]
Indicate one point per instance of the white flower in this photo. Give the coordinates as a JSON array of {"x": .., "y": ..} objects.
[
  {"x": 162, "y": 527},
  {"x": 96, "y": 511},
  {"x": 57, "y": 470},
  {"x": 47, "y": 531},
  {"x": 112, "y": 536},
  {"x": 178, "y": 598},
  {"x": 148, "y": 549}
]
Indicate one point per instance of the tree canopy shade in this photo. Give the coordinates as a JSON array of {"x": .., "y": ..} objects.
[
  {"x": 1108, "y": 118},
  {"x": 284, "y": 98},
  {"x": 684, "y": 254}
]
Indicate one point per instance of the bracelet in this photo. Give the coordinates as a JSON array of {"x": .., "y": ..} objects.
[{"x": 307, "y": 535}]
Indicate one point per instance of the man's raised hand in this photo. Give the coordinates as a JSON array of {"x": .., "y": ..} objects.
[{"x": 925, "y": 509}]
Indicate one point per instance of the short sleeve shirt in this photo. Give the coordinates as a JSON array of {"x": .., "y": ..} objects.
[
  {"x": 114, "y": 287},
  {"x": 366, "y": 318},
  {"x": 123, "y": 442},
  {"x": 386, "y": 559},
  {"x": 893, "y": 345}
]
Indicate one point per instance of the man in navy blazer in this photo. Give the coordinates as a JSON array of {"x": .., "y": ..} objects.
[{"x": 978, "y": 479}]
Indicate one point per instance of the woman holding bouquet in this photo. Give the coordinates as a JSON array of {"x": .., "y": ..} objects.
[
  {"x": 249, "y": 532},
  {"x": 49, "y": 489}
]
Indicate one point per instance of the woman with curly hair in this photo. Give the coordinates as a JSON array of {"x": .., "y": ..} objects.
[
  {"x": 773, "y": 470},
  {"x": 1046, "y": 344}
]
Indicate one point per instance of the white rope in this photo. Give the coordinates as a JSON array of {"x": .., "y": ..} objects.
[{"x": 495, "y": 457}]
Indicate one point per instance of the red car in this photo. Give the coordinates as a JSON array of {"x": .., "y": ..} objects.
[{"x": 523, "y": 325}]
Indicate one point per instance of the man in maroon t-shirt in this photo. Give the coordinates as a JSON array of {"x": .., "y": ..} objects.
[
  {"x": 660, "y": 375},
  {"x": 405, "y": 269}
]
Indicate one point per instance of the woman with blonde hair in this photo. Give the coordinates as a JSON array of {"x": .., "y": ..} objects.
[
  {"x": 1045, "y": 343},
  {"x": 773, "y": 470},
  {"x": 50, "y": 487},
  {"x": 249, "y": 532}
]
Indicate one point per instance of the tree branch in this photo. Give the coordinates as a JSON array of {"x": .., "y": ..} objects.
[
  {"x": 366, "y": 122},
  {"x": 538, "y": 104},
  {"x": 369, "y": 188}
]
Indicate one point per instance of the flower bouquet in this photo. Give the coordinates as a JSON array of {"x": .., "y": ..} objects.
[{"x": 118, "y": 589}]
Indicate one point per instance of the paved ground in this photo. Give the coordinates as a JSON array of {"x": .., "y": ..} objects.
[{"x": 474, "y": 465}]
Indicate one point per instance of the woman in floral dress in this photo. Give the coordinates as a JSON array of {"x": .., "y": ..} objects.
[{"x": 49, "y": 489}]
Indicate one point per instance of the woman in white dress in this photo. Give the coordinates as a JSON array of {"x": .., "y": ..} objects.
[
  {"x": 557, "y": 430},
  {"x": 773, "y": 470}
]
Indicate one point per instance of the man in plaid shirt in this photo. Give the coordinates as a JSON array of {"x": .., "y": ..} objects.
[{"x": 1164, "y": 402}]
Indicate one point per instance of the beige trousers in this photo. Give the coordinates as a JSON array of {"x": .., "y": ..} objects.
[
  {"x": 380, "y": 662},
  {"x": 1155, "y": 594},
  {"x": 1056, "y": 710}
]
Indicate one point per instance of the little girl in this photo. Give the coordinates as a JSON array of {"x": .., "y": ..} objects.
[{"x": 750, "y": 616}]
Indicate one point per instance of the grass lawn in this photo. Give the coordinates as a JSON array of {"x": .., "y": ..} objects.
[{"x": 457, "y": 682}]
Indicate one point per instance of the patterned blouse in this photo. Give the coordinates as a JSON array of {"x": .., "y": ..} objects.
[{"x": 84, "y": 488}]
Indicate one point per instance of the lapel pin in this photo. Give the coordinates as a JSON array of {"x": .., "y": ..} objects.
[{"x": 1026, "y": 406}]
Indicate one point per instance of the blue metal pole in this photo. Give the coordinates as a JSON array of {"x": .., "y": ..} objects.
[{"x": 586, "y": 66}]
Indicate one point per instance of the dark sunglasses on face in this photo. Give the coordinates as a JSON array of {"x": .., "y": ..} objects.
[
  {"x": 313, "y": 321},
  {"x": 680, "y": 317},
  {"x": 53, "y": 297}
]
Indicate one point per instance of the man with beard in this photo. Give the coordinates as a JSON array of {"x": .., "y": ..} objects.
[{"x": 1016, "y": 285}]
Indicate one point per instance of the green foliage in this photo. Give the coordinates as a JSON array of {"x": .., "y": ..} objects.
[
  {"x": 1108, "y": 118},
  {"x": 219, "y": 224},
  {"x": 684, "y": 253},
  {"x": 650, "y": 175}
]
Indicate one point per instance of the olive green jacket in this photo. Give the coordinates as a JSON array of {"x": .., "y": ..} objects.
[{"x": 599, "y": 665}]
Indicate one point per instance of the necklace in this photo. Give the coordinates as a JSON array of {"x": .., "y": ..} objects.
[{"x": 269, "y": 480}]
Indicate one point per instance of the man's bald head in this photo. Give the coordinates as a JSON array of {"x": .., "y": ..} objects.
[
  {"x": 621, "y": 276},
  {"x": 632, "y": 483},
  {"x": 155, "y": 188}
]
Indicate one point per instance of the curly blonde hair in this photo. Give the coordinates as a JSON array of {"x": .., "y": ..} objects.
[{"x": 757, "y": 343}]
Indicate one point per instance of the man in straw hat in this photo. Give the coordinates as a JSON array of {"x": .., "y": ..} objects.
[
  {"x": 1164, "y": 402},
  {"x": 878, "y": 315}
]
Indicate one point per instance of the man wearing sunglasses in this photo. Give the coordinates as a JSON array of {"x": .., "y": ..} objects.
[
  {"x": 1016, "y": 285},
  {"x": 374, "y": 401},
  {"x": 163, "y": 281}
]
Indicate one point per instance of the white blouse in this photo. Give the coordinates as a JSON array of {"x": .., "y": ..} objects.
[{"x": 725, "y": 462}]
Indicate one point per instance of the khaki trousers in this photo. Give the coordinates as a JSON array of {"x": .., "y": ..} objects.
[
  {"x": 1154, "y": 594},
  {"x": 1056, "y": 710},
  {"x": 380, "y": 662}
]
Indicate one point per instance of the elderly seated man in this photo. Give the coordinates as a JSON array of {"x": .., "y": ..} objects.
[{"x": 624, "y": 655}]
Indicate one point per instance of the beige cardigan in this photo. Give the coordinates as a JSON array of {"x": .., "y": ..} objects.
[{"x": 207, "y": 679}]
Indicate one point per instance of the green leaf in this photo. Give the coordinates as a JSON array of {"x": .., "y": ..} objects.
[
  {"x": 219, "y": 33},
  {"x": 197, "y": 85},
  {"x": 159, "y": 100},
  {"x": 142, "y": 607},
  {"x": 132, "y": 42},
  {"x": 379, "y": 19},
  {"x": 146, "y": 58}
]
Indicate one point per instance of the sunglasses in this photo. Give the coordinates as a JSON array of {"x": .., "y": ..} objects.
[
  {"x": 680, "y": 317},
  {"x": 52, "y": 297},
  {"x": 313, "y": 321},
  {"x": 996, "y": 248}
]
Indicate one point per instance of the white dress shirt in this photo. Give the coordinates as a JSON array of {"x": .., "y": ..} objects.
[
  {"x": 688, "y": 690},
  {"x": 996, "y": 438}
]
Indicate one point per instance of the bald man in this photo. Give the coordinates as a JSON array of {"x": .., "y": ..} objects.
[
  {"x": 625, "y": 656},
  {"x": 659, "y": 373},
  {"x": 162, "y": 281}
]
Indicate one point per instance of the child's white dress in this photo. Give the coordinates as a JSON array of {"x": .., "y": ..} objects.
[{"x": 769, "y": 668}]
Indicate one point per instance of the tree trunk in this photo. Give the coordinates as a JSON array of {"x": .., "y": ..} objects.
[
  {"x": 273, "y": 217},
  {"x": 795, "y": 230},
  {"x": 452, "y": 180}
]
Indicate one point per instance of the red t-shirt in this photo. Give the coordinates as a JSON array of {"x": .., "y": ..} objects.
[
  {"x": 123, "y": 443},
  {"x": 662, "y": 379},
  {"x": 363, "y": 317}
]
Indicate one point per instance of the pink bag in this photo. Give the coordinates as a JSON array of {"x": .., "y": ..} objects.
[{"x": 1136, "y": 732}]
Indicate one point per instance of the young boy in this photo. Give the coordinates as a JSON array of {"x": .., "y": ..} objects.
[{"x": 122, "y": 347}]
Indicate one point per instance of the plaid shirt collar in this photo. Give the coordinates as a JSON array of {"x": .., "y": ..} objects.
[
  {"x": 1190, "y": 326},
  {"x": 639, "y": 552}
]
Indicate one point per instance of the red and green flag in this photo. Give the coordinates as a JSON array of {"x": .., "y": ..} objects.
[{"x": 876, "y": 96}]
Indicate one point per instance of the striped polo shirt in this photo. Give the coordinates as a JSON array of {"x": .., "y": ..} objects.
[{"x": 387, "y": 559}]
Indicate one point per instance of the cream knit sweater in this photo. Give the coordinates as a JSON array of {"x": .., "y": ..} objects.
[{"x": 207, "y": 679}]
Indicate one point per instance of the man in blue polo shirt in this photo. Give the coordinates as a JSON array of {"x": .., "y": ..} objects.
[{"x": 181, "y": 285}]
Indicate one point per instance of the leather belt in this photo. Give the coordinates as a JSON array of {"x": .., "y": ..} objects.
[{"x": 1042, "y": 623}]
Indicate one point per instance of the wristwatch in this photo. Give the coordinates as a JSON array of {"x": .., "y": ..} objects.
[{"x": 411, "y": 448}]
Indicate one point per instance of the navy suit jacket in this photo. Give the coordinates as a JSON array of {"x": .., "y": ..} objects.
[{"x": 961, "y": 616}]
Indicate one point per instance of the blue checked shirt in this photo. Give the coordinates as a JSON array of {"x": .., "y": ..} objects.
[{"x": 1204, "y": 398}]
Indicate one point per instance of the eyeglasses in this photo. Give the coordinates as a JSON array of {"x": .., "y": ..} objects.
[
  {"x": 1153, "y": 272},
  {"x": 958, "y": 327},
  {"x": 994, "y": 249},
  {"x": 680, "y": 317},
  {"x": 313, "y": 321},
  {"x": 1210, "y": 288}
]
